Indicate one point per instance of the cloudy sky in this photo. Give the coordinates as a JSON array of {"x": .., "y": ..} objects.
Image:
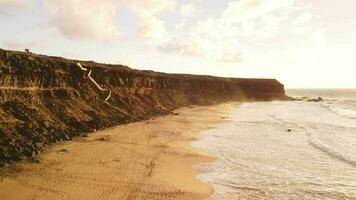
[{"x": 302, "y": 43}]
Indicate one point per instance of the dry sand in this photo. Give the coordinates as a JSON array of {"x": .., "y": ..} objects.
[{"x": 145, "y": 160}]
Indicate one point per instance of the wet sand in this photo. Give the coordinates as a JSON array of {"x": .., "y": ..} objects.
[{"x": 146, "y": 160}]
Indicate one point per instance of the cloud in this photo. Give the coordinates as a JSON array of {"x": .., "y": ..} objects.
[
  {"x": 152, "y": 6},
  {"x": 244, "y": 10},
  {"x": 187, "y": 10},
  {"x": 84, "y": 19},
  {"x": 301, "y": 24},
  {"x": 151, "y": 28},
  {"x": 15, "y": 3},
  {"x": 304, "y": 18},
  {"x": 243, "y": 26}
]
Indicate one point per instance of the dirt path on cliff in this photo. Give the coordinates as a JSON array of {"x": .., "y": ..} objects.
[
  {"x": 34, "y": 88},
  {"x": 146, "y": 160}
]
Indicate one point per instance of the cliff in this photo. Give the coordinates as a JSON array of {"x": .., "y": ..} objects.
[{"x": 48, "y": 99}]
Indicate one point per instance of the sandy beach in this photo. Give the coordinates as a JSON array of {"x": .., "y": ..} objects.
[{"x": 146, "y": 160}]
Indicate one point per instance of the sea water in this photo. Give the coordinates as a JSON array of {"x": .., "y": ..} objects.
[{"x": 285, "y": 150}]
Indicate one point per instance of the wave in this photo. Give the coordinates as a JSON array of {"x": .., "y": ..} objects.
[
  {"x": 343, "y": 112},
  {"x": 341, "y": 107},
  {"x": 314, "y": 132},
  {"x": 331, "y": 151}
]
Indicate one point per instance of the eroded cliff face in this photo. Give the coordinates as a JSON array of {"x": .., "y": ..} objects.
[{"x": 48, "y": 99}]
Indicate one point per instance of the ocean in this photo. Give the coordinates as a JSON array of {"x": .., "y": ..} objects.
[{"x": 285, "y": 150}]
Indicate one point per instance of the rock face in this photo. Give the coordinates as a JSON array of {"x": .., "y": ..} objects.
[{"x": 48, "y": 99}]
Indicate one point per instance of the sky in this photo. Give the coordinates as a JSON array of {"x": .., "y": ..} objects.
[{"x": 301, "y": 43}]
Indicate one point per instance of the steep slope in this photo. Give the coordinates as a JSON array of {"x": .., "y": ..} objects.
[{"x": 48, "y": 99}]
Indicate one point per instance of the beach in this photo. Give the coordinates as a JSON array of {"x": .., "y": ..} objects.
[
  {"x": 253, "y": 150},
  {"x": 151, "y": 159}
]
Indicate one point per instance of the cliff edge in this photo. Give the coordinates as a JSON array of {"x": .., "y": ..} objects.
[{"x": 48, "y": 99}]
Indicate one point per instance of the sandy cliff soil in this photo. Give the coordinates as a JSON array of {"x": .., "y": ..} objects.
[
  {"x": 144, "y": 160},
  {"x": 45, "y": 99}
]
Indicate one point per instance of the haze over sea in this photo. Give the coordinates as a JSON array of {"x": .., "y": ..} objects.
[{"x": 258, "y": 158}]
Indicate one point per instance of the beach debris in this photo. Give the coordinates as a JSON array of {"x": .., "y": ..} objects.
[
  {"x": 62, "y": 151},
  {"x": 34, "y": 160},
  {"x": 289, "y": 130},
  {"x": 67, "y": 137},
  {"x": 175, "y": 113},
  {"x": 319, "y": 99},
  {"x": 104, "y": 138}
]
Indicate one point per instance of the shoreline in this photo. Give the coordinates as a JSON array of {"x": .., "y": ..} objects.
[{"x": 151, "y": 159}]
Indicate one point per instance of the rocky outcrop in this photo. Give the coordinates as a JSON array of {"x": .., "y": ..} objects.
[{"x": 48, "y": 99}]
